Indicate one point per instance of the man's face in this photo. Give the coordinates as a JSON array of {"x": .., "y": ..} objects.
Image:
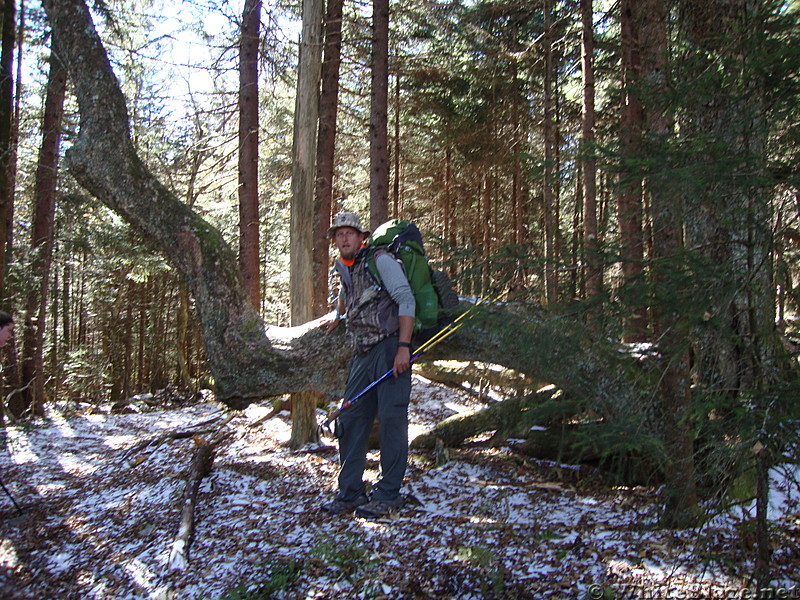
[
  {"x": 348, "y": 241},
  {"x": 5, "y": 333}
]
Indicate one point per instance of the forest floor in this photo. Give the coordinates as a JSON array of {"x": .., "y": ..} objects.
[{"x": 99, "y": 521}]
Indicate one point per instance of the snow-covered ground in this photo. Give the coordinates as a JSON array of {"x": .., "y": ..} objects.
[{"x": 99, "y": 522}]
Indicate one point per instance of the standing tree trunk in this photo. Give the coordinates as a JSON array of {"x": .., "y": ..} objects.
[
  {"x": 591, "y": 251},
  {"x": 396, "y": 182},
  {"x": 669, "y": 328},
  {"x": 6, "y": 119},
  {"x": 379, "y": 114},
  {"x": 42, "y": 237},
  {"x": 306, "y": 122},
  {"x": 326, "y": 147},
  {"x": 548, "y": 198},
  {"x": 249, "y": 255},
  {"x": 629, "y": 198}
]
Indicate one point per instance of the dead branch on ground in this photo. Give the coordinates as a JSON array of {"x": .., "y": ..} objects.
[{"x": 200, "y": 467}]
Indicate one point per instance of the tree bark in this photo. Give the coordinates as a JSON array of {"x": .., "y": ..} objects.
[
  {"x": 6, "y": 119},
  {"x": 306, "y": 123},
  {"x": 379, "y": 115},
  {"x": 669, "y": 328},
  {"x": 593, "y": 270},
  {"x": 42, "y": 236},
  {"x": 249, "y": 255},
  {"x": 548, "y": 198},
  {"x": 629, "y": 199},
  {"x": 245, "y": 361},
  {"x": 326, "y": 146}
]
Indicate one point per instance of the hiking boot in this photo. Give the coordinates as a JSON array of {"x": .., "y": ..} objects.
[
  {"x": 375, "y": 509},
  {"x": 339, "y": 507}
]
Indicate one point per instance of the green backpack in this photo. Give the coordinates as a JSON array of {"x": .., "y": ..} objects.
[{"x": 433, "y": 291}]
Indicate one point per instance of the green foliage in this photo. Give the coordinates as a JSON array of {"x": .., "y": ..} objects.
[
  {"x": 85, "y": 376},
  {"x": 278, "y": 575},
  {"x": 491, "y": 575},
  {"x": 732, "y": 431},
  {"x": 347, "y": 555},
  {"x": 627, "y": 451}
]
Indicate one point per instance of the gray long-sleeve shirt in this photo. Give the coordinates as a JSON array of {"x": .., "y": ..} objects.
[{"x": 396, "y": 284}]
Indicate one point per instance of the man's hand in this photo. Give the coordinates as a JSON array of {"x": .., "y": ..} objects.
[
  {"x": 402, "y": 360},
  {"x": 329, "y": 322}
]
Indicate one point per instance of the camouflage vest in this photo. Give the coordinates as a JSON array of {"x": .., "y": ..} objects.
[{"x": 371, "y": 312}]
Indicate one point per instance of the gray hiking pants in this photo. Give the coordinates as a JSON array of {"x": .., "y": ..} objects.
[{"x": 389, "y": 401}]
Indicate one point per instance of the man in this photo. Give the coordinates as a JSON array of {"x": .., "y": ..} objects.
[{"x": 380, "y": 323}]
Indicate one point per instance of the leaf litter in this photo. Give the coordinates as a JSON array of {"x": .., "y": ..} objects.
[{"x": 99, "y": 520}]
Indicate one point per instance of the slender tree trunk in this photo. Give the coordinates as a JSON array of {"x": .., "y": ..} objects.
[
  {"x": 127, "y": 339},
  {"x": 548, "y": 199},
  {"x": 42, "y": 235},
  {"x": 396, "y": 183},
  {"x": 249, "y": 255},
  {"x": 593, "y": 264},
  {"x": 66, "y": 300},
  {"x": 6, "y": 120},
  {"x": 447, "y": 230},
  {"x": 182, "y": 338},
  {"x": 326, "y": 146},
  {"x": 379, "y": 113},
  {"x": 14, "y": 144},
  {"x": 306, "y": 123}
]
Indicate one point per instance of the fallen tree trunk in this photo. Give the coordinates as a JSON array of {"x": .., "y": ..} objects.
[
  {"x": 460, "y": 373},
  {"x": 510, "y": 418}
]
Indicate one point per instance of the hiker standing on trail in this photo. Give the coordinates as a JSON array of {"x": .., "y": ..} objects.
[{"x": 380, "y": 323}]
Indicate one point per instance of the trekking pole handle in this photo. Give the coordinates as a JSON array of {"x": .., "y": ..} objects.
[
  {"x": 441, "y": 335},
  {"x": 348, "y": 403}
]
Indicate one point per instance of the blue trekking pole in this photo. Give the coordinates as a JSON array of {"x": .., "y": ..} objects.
[{"x": 442, "y": 334}]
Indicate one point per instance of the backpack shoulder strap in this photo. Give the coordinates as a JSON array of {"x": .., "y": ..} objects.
[{"x": 372, "y": 268}]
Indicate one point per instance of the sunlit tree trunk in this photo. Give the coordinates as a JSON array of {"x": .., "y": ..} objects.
[
  {"x": 379, "y": 114},
  {"x": 326, "y": 146},
  {"x": 306, "y": 123},
  {"x": 396, "y": 154},
  {"x": 447, "y": 212},
  {"x": 249, "y": 255},
  {"x": 42, "y": 238}
]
